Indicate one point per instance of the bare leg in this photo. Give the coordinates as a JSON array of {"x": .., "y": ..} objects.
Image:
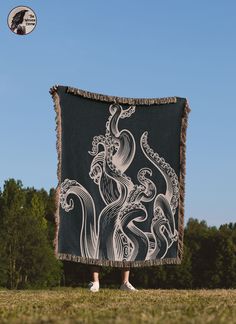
[
  {"x": 125, "y": 275},
  {"x": 95, "y": 273},
  {"x": 94, "y": 284},
  {"x": 125, "y": 284}
]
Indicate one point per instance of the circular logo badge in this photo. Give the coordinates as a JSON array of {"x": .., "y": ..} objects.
[{"x": 22, "y": 20}]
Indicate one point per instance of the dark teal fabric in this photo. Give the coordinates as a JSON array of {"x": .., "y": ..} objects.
[{"x": 108, "y": 237}]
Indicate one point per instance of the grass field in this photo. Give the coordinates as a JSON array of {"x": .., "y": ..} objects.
[{"x": 77, "y": 305}]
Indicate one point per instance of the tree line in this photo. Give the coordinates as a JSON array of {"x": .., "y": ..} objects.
[{"x": 27, "y": 258}]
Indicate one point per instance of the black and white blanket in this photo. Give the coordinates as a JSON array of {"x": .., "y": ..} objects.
[{"x": 121, "y": 178}]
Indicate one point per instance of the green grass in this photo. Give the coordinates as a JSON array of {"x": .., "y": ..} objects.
[{"x": 77, "y": 305}]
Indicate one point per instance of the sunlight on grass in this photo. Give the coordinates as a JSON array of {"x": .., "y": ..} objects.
[{"x": 77, "y": 305}]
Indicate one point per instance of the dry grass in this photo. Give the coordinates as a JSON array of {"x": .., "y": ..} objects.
[{"x": 77, "y": 305}]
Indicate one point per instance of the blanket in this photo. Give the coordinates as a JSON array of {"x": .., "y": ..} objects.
[{"x": 121, "y": 178}]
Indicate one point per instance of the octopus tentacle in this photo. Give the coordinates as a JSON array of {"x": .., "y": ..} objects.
[
  {"x": 114, "y": 185},
  {"x": 107, "y": 219},
  {"x": 140, "y": 242},
  {"x": 171, "y": 179},
  {"x": 150, "y": 188},
  {"x": 161, "y": 242},
  {"x": 164, "y": 204},
  {"x": 124, "y": 140},
  {"x": 89, "y": 227}
]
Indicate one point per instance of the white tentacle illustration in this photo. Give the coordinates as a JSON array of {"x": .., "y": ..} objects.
[{"x": 116, "y": 232}]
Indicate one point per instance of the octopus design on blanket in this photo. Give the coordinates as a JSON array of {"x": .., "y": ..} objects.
[{"x": 115, "y": 233}]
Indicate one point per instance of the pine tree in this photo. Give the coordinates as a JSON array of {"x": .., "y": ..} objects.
[{"x": 27, "y": 255}]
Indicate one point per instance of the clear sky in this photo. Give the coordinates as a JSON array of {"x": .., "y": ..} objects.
[{"x": 129, "y": 48}]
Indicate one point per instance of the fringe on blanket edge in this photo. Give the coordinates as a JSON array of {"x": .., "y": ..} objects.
[
  {"x": 183, "y": 133},
  {"x": 184, "y": 125},
  {"x": 120, "y": 100},
  {"x": 57, "y": 109},
  {"x": 119, "y": 264}
]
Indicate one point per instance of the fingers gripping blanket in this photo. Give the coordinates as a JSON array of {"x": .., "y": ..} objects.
[{"x": 121, "y": 178}]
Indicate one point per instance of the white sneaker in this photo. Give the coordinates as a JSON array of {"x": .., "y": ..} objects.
[
  {"x": 127, "y": 286},
  {"x": 93, "y": 286}
]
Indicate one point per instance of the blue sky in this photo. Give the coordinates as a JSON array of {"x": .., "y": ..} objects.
[{"x": 126, "y": 48}]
